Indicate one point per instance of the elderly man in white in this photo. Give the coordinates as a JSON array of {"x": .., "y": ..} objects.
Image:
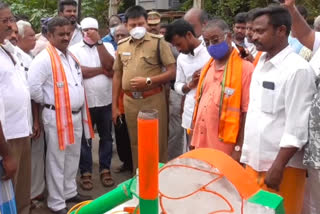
[
  {"x": 25, "y": 43},
  {"x": 96, "y": 59},
  {"x": 17, "y": 128}
]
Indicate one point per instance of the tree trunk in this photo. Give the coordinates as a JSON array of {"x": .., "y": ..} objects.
[
  {"x": 113, "y": 7},
  {"x": 198, "y": 4}
]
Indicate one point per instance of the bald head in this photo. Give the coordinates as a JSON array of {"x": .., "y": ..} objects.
[
  {"x": 121, "y": 32},
  {"x": 197, "y": 18}
]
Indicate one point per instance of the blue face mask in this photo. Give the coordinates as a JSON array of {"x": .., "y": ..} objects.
[{"x": 218, "y": 51}]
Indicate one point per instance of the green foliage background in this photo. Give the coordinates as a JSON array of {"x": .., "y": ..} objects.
[
  {"x": 227, "y": 9},
  {"x": 36, "y": 9}
]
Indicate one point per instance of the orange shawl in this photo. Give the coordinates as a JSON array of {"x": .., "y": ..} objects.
[
  {"x": 229, "y": 123},
  {"x": 62, "y": 103}
]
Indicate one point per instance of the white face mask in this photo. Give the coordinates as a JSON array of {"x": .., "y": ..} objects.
[
  {"x": 112, "y": 31},
  {"x": 138, "y": 32}
]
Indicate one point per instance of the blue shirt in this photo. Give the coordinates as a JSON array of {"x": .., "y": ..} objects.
[
  {"x": 110, "y": 39},
  {"x": 295, "y": 44}
]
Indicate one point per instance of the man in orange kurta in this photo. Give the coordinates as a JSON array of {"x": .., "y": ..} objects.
[{"x": 208, "y": 112}]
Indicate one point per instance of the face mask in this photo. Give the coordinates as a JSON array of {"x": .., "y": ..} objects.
[
  {"x": 218, "y": 51},
  {"x": 112, "y": 31},
  {"x": 138, "y": 32},
  {"x": 87, "y": 39}
]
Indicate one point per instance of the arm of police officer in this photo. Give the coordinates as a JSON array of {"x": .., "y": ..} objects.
[
  {"x": 299, "y": 26},
  {"x": 116, "y": 87},
  {"x": 168, "y": 62}
]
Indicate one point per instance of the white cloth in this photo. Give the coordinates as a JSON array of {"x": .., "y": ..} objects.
[
  {"x": 37, "y": 166},
  {"x": 61, "y": 166},
  {"x": 76, "y": 36},
  {"x": 187, "y": 64},
  {"x": 315, "y": 61},
  {"x": 89, "y": 23},
  {"x": 278, "y": 118},
  {"x": 98, "y": 88},
  {"x": 41, "y": 44},
  {"x": 16, "y": 99},
  {"x": 41, "y": 80},
  {"x": 2, "y": 111},
  {"x": 311, "y": 203}
]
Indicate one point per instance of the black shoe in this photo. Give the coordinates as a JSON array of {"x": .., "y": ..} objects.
[
  {"x": 78, "y": 198},
  {"x": 63, "y": 211}
]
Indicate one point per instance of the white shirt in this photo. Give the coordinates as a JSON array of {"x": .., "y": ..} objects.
[
  {"x": 98, "y": 88},
  {"x": 187, "y": 64},
  {"x": 25, "y": 60},
  {"x": 41, "y": 80},
  {"x": 76, "y": 36},
  {"x": 16, "y": 99},
  {"x": 2, "y": 111},
  {"x": 278, "y": 118},
  {"x": 315, "y": 61}
]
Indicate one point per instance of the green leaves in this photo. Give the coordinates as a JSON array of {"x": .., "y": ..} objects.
[{"x": 227, "y": 9}]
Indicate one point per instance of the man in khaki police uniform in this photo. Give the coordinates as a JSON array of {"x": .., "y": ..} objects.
[
  {"x": 138, "y": 72},
  {"x": 154, "y": 19}
]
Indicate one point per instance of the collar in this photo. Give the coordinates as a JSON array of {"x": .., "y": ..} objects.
[
  {"x": 83, "y": 44},
  {"x": 278, "y": 59},
  {"x": 60, "y": 53},
  {"x": 198, "y": 49}
]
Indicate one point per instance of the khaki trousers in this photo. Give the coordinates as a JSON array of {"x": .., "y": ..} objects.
[
  {"x": 21, "y": 151},
  {"x": 132, "y": 108}
]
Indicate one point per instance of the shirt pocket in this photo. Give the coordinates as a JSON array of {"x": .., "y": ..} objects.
[
  {"x": 125, "y": 60},
  {"x": 267, "y": 100}
]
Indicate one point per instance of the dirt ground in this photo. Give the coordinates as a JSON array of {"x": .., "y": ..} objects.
[{"x": 98, "y": 189}]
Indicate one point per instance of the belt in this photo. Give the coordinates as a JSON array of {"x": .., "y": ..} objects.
[
  {"x": 143, "y": 94},
  {"x": 51, "y": 107}
]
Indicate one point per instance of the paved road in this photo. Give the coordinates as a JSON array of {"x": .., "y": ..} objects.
[{"x": 98, "y": 189}]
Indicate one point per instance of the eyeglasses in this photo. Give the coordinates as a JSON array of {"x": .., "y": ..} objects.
[
  {"x": 216, "y": 40},
  {"x": 7, "y": 20}
]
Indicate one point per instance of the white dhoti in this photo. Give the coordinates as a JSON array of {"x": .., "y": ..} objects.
[
  {"x": 37, "y": 166},
  {"x": 61, "y": 166},
  {"x": 311, "y": 203}
]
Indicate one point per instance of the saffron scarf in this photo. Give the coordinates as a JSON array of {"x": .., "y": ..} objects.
[
  {"x": 62, "y": 103},
  {"x": 229, "y": 109}
]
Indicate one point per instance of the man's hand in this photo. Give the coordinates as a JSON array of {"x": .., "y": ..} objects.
[
  {"x": 115, "y": 114},
  {"x": 93, "y": 35},
  {"x": 109, "y": 74},
  {"x": 274, "y": 177},
  {"x": 236, "y": 155},
  {"x": 249, "y": 57},
  {"x": 138, "y": 83},
  {"x": 36, "y": 129},
  {"x": 289, "y": 3},
  {"x": 9, "y": 166},
  {"x": 195, "y": 79}
]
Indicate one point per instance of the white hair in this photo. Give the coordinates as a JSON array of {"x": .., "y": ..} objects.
[
  {"x": 21, "y": 27},
  {"x": 317, "y": 22}
]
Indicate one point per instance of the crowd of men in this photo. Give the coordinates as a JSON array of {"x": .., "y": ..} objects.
[{"x": 250, "y": 91}]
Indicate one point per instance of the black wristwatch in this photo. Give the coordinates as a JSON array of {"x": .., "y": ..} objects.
[{"x": 99, "y": 42}]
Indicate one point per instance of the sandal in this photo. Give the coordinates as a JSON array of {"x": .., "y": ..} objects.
[
  {"x": 86, "y": 181},
  {"x": 106, "y": 179}
]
